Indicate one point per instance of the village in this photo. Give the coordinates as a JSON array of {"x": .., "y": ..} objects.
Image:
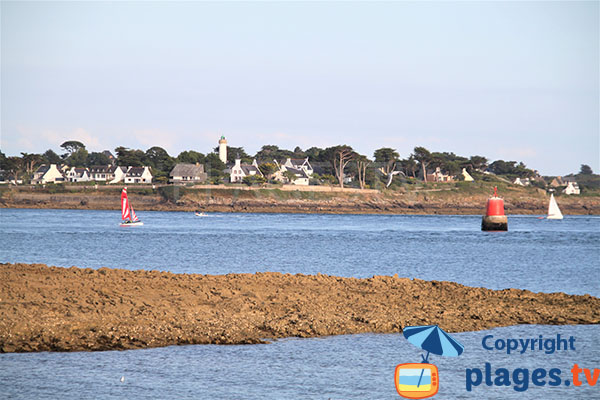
[{"x": 342, "y": 167}]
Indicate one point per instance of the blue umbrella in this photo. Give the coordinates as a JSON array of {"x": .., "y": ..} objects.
[{"x": 432, "y": 339}]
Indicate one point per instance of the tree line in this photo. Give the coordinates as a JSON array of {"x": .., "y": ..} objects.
[{"x": 332, "y": 164}]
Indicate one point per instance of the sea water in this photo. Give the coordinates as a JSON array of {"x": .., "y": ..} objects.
[{"x": 538, "y": 255}]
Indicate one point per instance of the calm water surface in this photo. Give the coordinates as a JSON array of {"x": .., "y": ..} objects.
[{"x": 538, "y": 255}]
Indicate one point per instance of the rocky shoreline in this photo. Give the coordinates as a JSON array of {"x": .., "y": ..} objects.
[
  {"x": 73, "y": 309},
  {"x": 430, "y": 201}
]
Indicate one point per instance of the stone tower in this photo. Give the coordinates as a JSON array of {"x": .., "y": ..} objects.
[{"x": 223, "y": 149}]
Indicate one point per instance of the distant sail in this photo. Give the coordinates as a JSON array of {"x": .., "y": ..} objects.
[
  {"x": 124, "y": 205},
  {"x": 553, "y": 210}
]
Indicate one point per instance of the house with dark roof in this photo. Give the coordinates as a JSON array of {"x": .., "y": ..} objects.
[
  {"x": 299, "y": 163},
  {"x": 302, "y": 177},
  {"x": 76, "y": 174},
  {"x": 117, "y": 173},
  {"x": 138, "y": 175},
  {"x": 100, "y": 173},
  {"x": 47, "y": 174},
  {"x": 239, "y": 171},
  {"x": 187, "y": 173},
  {"x": 558, "y": 181}
]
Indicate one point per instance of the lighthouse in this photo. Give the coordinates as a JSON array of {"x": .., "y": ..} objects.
[{"x": 223, "y": 149}]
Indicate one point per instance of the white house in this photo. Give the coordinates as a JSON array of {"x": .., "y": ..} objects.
[
  {"x": 188, "y": 173},
  {"x": 299, "y": 163},
  {"x": 78, "y": 175},
  {"x": 522, "y": 182},
  {"x": 138, "y": 175},
  {"x": 439, "y": 176},
  {"x": 101, "y": 173},
  {"x": 117, "y": 174},
  {"x": 302, "y": 177},
  {"x": 467, "y": 176},
  {"x": 47, "y": 174},
  {"x": 239, "y": 171},
  {"x": 572, "y": 188}
]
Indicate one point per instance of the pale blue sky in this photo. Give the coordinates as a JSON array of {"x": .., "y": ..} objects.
[{"x": 507, "y": 80}]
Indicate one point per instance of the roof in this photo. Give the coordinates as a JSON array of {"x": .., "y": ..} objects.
[
  {"x": 115, "y": 167},
  {"x": 100, "y": 168},
  {"x": 43, "y": 169},
  {"x": 298, "y": 172},
  {"x": 136, "y": 171},
  {"x": 108, "y": 154},
  {"x": 247, "y": 168},
  {"x": 184, "y": 169}
]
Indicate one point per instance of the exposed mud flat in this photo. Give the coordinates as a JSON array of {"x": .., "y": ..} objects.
[{"x": 72, "y": 309}]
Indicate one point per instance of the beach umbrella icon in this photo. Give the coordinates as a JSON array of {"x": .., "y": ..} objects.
[{"x": 432, "y": 339}]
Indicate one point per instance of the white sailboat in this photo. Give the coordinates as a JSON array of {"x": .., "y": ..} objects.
[
  {"x": 128, "y": 216},
  {"x": 553, "y": 210}
]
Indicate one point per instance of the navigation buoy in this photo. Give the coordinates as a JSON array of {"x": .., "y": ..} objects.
[{"x": 494, "y": 219}]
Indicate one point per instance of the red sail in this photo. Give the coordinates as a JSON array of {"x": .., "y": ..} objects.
[
  {"x": 124, "y": 205},
  {"x": 134, "y": 217}
]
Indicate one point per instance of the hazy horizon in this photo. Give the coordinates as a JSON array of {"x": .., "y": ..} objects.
[{"x": 516, "y": 81}]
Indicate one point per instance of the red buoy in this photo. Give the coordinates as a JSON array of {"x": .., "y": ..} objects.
[
  {"x": 494, "y": 219},
  {"x": 495, "y": 205}
]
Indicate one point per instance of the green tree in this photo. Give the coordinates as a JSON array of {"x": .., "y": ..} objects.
[
  {"x": 316, "y": 154},
  {"x": 160, "y": 161},
  {"x": 268, "y": 169},
  {"x": 387, "y": 157},
  {"x": 30, "y": 162},
  {"x": 253, "y": 179},
  {"x": 501, "y": 167},
  {"x": 409, "y": 166},
  {"x": 129, "y": 158},
  {"x": 362, "y": 162},
  {"x": 586, "y": 170},
  {"x": 478, "y": 162},
  {"x": 14, "y": 167},
  {"x": 71, "y": 146},
  {"x": 290, "y": 176},
  {"x": 191, "y": 157},
  {"x": 50, "y": 157},
  {"x": 95, "y": 158},
  {"x": 214, "y": 166},
  {"x": 78, "y": 158},
  {"x": 268, "y": 153},
  {"x": 339, "y": 157},
  {"x": 298, "y": 153},
  {"x": 423, "y": 156}
]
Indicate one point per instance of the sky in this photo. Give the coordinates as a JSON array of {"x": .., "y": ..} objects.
[{"x": 506, "y": 80}]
